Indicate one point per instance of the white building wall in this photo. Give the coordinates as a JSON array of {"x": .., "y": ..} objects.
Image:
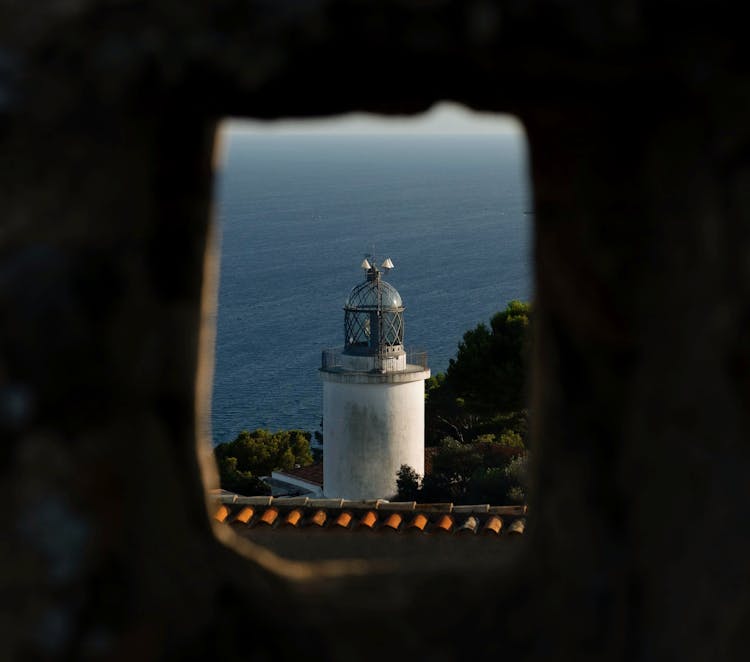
[
  {"x": 369, "y": 431},
  {"x": 294, "y": 482}
]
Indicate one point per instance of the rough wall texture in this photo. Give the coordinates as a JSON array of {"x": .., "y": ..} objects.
[
  {"x": 637, "y": 119},
  {"x": 371, "y": 431}
]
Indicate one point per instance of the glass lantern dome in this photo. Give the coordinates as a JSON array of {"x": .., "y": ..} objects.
[
  {"x": 374, "y": 294},
  {"x": 373, "y": 317}
]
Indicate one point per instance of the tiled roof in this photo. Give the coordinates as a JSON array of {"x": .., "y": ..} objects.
[
  {"x": 404, "y": 518},
  {"x": 312, "y": 473}
]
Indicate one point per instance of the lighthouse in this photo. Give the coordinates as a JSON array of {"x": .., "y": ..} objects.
[{"x": 373, "y": 395}]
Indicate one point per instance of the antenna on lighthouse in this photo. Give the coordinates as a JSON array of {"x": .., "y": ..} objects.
[
  {"x": 365, "y": 265},
  {"x": 387, "y": 264}
]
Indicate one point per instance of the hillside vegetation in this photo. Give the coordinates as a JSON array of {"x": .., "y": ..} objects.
[
  {"x": 254, "y": 454},
  {"x": 477, "y": 417}
]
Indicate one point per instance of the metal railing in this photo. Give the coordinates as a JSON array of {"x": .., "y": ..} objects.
[
  {"x": 416, "y": 357},
  {"x": 331, "y": 358}
]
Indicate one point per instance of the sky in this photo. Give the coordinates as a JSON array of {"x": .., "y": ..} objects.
[{"x": 442, "y": 118}]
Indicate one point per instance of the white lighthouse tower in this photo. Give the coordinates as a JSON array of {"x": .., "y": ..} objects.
[{"x": 373, "y": 397}]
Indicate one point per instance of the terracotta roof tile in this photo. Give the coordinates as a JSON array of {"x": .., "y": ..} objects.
[
  {"x": 221, "y": 513},
  {"x": 344, "y": 519},
  {"x": 470, "y": 525},
  {"x": 244, "y": 515},
  {"x": 444, "y": 524},
  {"x": 304, "y": 513},
  {"x": 269, "y": 516},
  {"x": 369, "y": 520},
  {"x": 293, "y": 517},
  {"x": 319, "y": 517},
  {"x": 419, "y": 522},
  {"x": 393, "y": 522},
  {"x": 517, "y": 527},
  {"x": 494, "y": 524}
]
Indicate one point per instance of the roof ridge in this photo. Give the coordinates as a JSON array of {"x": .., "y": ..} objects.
[
  {"x": 402, "y": 517},
  {"x": 517, "y": 510}
]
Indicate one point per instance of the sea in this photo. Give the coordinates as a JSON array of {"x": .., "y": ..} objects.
[{"x": 298, "y": 213}]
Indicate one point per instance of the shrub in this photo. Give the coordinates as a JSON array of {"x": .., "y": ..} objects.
[{"x": 408, "y": 482}]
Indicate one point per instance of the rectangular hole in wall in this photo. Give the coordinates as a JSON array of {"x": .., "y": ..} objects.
[{"x": 300, "y": 204}]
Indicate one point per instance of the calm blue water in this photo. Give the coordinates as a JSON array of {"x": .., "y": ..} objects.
[{"x": 298, "y": 213}]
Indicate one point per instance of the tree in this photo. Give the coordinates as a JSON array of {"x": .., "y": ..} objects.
[
  {"x": 517, "y": 472},
  {"x": 408, "y": 482},
  {"x": 241, "y": 482},
  {"x": 511, "y": 439},
  {"x": 502, "y": 484},
  {"x": 483, "y": 391},
  {"x": 258, "y": 453},
  {"x": 452, "y": 468},
  {"x": 456, "y": 460},
  {"x": 489, "y": 485},
  {"x": 439, "y": 487},
  {"x": 491, "y": 365}
]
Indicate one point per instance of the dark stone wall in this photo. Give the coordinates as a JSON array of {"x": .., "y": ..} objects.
[{"x": 636, "y": 115}]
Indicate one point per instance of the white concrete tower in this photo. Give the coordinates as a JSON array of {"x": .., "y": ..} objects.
[{"x": 373, "y": 397}]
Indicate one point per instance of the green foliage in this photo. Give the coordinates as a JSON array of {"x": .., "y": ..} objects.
[
  {"x": 476, "y": 414},
  {"x": 489, "y": 485},
  {"x": 498, "y": 455},
  {"x": 439, "y": 488},
  {"x": 502, "y": 484},
  {"x": 517, "y": 470},
  {"x": 433, "y": 384},
  {"x": 241, "y": 482},
  {"x": 516, "y": 495},
  {"x": 484, "y": 388},
  {"x": 457, "y": 461},
  {"x": 514, "y": 421},
  {"x": 408, "y": 482},
  {"x": 479, "y": 472},
  {"x": 508, "y": 438},
  {"x": 511, "y": 439},
  {"x": 490, "y": 368},
  {"x": 258, "y": 453}
]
